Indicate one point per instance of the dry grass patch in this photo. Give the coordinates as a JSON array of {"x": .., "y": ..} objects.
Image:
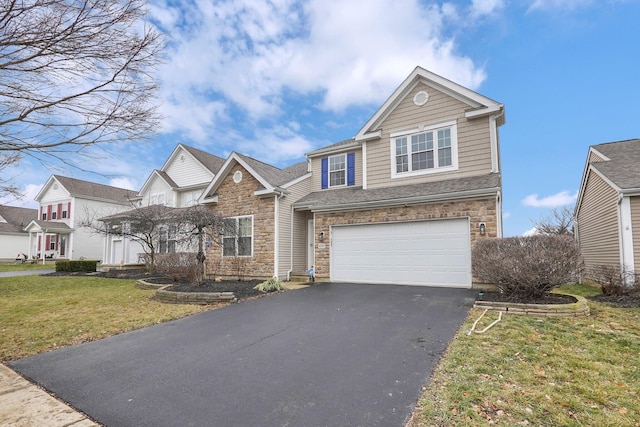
[
  {"x": 539, "y": 371},
  {"x": 42, "y": 313}
]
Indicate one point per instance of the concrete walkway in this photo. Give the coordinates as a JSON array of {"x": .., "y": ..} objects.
[
  {"x": 22, "y": 404},
  {"x": 25, "y": 272}
]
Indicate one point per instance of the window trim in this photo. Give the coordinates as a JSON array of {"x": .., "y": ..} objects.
[
  {"x": 452, "y": 124},
  {"x": 237, "y": 220},
  {"x": 344, "y": 156}
]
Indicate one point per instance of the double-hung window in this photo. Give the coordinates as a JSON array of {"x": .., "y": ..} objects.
[
  {"x": 237, "y": 237},
  {"x": 337, "y": 170},
  {"x": 425, "y": 150}
]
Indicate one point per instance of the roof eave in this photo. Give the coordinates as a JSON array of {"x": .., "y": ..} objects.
[{"x": 405, "y": 201}]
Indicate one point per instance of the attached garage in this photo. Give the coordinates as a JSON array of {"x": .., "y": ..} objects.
[{"x": 433, "y": 253}]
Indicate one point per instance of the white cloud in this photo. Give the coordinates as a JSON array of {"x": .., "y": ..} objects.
[
  {"x": 506, "y": 215},
  {"x": 29, "y": 192},
  {"x": 123, "y": 182},
  {"x": 559, "y": 199},
  {"x": 241, "y": 53},
  {"x": 558, "y": 4},
  {"x": 486, "y": 7},
  {"x": 531, "y": 232}
]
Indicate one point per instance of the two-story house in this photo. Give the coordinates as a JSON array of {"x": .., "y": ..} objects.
[
  {"x": 178, "y": 183},
  {"x": 401, "y": 202},
  {"x": 65, "y": 206}
]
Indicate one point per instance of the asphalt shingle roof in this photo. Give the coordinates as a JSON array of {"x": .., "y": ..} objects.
[
  {"x": 93, "y": 190},
  {"x": 210, "y": 161},
  {"x": 273, "y": 175},
  {"x": 16, "y": 218},
  {"x": 328, "y": 148},
  {"x": 623, "y": 168},
  {"x": 436, "y": 190}
]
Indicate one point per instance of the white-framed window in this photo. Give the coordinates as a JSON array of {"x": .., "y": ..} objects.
[
  {"x": 157, "y": 199},
  {"x": 64, "y": 213},
  {"x": 237, "y": 239},
  {"x": 191, "y": 198},
  {"x": 167, "y": 243},
  {"x": 423, "y": 150},
  {"x": 54, "y": 215},
  {"x": 337, "y": 170}
]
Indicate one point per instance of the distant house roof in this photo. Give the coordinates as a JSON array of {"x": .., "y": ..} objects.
[
  {"x": 351, "y": 197},
  {"x": 621, "y": 168},
  {"x": 273, "y": 175},
  {"x": 14, "y": 219},
  {"x": 92, "y": 190},
  {"x": 210, "y": 161}
]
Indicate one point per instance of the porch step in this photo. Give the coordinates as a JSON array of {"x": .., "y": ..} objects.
[{"x": 299, "y": 278}]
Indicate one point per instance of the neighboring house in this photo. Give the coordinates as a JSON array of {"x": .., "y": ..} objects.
[
  {"x": 14, "y": 240},
  {"x": 401, "y": 202},
  {"x": 607, "y": 215},
  {"x": 179, "y": 183},
  {"x": 65, "y": 205}
]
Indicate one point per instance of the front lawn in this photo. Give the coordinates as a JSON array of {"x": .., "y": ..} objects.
[
  {"x": 23, "y": 267},
  {"x": 581, "y": 371},
  {"x": 41, "y": 313}
]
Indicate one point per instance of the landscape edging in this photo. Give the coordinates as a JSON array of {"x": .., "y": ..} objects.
[
  {"x": 575, "y": 309},
  {"x": 173, "y": 297}
]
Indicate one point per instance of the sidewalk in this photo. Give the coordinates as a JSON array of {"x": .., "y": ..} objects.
[{"x": 23, "y": 404}]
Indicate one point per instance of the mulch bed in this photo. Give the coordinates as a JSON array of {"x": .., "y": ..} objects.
[
  {"x": 546, "y": 299},
  {"x": 241, "y": 288}
]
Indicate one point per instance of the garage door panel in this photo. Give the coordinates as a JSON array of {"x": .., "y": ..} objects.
[{"x": 415, "y": 253}]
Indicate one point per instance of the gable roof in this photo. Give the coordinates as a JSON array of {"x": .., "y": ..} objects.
[
  {"x": 270, "y": 177},
  {"x": 89, "y": 190},
  {"x": 621, "y": 168},
  {"x": 14, "y": 219},
  {"x": 49, "y": 226},
  {"x": 479, "y": 105},
  {"x": 356, "y": 197},
  {"x": 338, "y": 146},
  {"x": 211, "y": 162}
]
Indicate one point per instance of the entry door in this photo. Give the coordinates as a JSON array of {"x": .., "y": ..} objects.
[
  {"x": 311, "y": 241},
  {"x": 63, "y": 245}
]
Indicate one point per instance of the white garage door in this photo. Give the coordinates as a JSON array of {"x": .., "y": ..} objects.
[{"x": 435, "y": 253}]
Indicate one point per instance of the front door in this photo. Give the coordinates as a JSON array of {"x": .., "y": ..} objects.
[
  {"x": 310, "y": 244},
  {"x": 63, "y": 245}
]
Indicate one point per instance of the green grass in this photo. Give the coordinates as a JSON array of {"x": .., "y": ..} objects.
[
  {"x": 24, "y": 267},
  {"x": 581, "y": 371},
  {"x": 41, "y": 313}
]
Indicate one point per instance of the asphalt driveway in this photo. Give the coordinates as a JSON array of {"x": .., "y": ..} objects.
[{"x": 328, "y": 355}]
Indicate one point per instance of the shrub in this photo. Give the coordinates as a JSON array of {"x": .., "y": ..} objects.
[
  {"x": 613, "y": 279},
  {"x": 178, "y": 265},
  {"x": 270, "y": 285},
  {"x": 526, "y": 267},
  {"x": 77, "y": 265}
]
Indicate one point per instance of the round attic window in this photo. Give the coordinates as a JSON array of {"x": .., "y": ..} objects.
[
  {"x": 237, "y": 177},
  {"x": 420, "y": 98}
]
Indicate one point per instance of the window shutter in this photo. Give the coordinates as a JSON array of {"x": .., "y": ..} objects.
[
  {"x": 39, "y": 242},
  {"x": 325, "y": 172},
  {"x": 47, "y": 244},
  {"x": 59, "y": 210},
  {"x": 69, "y": 210},
  {"x": 49, "y": 212},
  {"x": 351, "y": 168}
]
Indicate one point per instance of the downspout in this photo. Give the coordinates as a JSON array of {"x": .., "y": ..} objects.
[
  {"x": 276, "y": 239},
  {"x": 288, "y": 279}
]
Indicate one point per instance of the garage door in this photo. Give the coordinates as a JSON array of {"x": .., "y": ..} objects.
[{"x": 435, "y": 253}]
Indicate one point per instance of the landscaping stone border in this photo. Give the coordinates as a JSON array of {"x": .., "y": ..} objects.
[
  {"x": 576, "y": 309},
  {"x": 172, "y": 297}
]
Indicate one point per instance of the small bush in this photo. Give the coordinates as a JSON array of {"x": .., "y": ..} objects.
[
  {"x": 178, "y": 265},
  {"x": 526, "y": 267},
  {"x": 77, "y": 265},
  {"x": 614, "y": 280},
  {"x": 270, "y": 285}
]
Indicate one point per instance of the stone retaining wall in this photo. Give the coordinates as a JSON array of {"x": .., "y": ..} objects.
[
  {"x": 172, "y": 297},
  {"x": 578, "y": 308}
]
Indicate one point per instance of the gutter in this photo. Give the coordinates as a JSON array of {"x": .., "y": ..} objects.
[{"x": 406, "y": 201}]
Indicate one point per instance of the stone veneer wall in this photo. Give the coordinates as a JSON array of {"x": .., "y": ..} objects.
[
  {"x": 239, "y": 200},
  {"x": 478, "y": 211}
]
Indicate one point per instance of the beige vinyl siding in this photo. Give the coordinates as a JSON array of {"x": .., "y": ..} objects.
[
  {"x": 594, "y": 157},
  {"x": 159, "y": 186},
  {"x": 316, "y": 168},
  {"x": 635, "y": 229},
  {"x": 296, "y": 191},
  {"x": 474, "y": 144},
  {"x": 185, "y": 170},
  {"x": 300, "y": 241},
  {"x": 598, "y": 233}
]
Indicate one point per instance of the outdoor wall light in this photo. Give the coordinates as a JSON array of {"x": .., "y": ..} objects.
[
  {"x": 483, "y": 228},
  {"x": 322, "y": 236}
]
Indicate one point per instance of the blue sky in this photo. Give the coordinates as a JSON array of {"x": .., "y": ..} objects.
[{"x": 276, "y": 79}]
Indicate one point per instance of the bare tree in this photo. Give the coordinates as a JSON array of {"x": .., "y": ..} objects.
[
  {"x": 559, "y": 222},
  {"x": 186, "y": 228},
  {"x": 73, "y": 74}
]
